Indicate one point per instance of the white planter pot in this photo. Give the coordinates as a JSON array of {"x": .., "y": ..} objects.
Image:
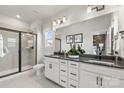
[{"x": 73, "y": 56}]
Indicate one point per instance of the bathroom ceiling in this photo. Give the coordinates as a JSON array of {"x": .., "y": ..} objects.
[{"x": 29, "y": 13}]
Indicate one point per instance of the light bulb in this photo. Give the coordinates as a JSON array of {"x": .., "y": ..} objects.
[
  {"x": 89, "y": 9},
  {"x": 58, "y": 21},
  {"x": 54, "y": 23},
  {"x": 64, "y": 19}
]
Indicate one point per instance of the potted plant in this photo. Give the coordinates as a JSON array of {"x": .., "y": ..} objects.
[
  {"x": 81, "y": 51},
  {"x": 74, "y": 53}
]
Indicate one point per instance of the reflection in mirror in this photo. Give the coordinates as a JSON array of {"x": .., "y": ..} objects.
[
  {"x": 97, "y": 35},
  {"x": 57, "y": 45}
]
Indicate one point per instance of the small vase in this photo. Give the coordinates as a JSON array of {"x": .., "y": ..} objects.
[{"x": 73, "y": 56}]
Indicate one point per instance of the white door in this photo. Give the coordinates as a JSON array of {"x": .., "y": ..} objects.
[
  {"x": 88, "y": 79},
  {"x": 110, "y": 82}
]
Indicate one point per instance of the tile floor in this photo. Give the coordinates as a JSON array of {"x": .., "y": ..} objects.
[{"x": 26, "y": 79}]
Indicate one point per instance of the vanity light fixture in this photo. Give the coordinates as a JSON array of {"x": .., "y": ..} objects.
[
  {"x": 18, "y": 16},
  {"x": 59, "y": 21},
  {"x": 96, "y": 8},
  {"x": 64, "y": 19},
  {"x": 54, "y": 23}
]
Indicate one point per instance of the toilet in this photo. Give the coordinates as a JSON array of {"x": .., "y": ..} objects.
[{"x": 39, "y": 68}]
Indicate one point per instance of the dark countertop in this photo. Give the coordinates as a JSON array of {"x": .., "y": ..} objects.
[{"x": 94, "y": 61}]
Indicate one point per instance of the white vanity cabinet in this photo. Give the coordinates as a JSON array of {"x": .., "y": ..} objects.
[
  {"x": 63, "y": 73},
  {"x": 72, "y": 74},
  {"x": 111, "y": 82},
  {"x": 100, "y": 76},
  {"x": 52, "y": 69},
  {"x": 69, "y": 74}
]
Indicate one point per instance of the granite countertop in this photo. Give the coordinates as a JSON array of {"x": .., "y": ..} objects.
[{"x": 88, "y": 60}]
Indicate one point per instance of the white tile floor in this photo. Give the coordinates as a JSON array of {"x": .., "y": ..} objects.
[{"x": 27, "y": 80}]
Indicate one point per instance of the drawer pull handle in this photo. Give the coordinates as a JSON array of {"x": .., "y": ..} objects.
[
  {"x": 73, "y": 86},
  {"x": 97, "y": 80},
  {"x": 101, "y": 81},
  {"x": 63, "y": 81},
  {"x": 73, "y": 74},
  {"x": 74, "y": 64},
  {"x": 63, "y": 70}
]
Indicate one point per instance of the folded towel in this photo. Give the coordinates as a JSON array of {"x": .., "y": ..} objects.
[{"x": 3, "y": 48}]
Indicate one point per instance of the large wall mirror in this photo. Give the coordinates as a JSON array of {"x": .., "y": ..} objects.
[{"x": 97, "y": 34}]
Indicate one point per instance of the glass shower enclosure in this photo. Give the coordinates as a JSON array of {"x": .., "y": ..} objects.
[
  {"x": 18, "y": 51},
  {"x": 9, "y": 57},
  {"x": 28, "y": 48}
]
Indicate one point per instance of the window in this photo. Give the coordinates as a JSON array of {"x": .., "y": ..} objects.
[{"x": 49, "y": 38}]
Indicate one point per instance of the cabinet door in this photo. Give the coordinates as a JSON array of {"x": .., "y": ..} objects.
[
  {"x": 110, "y": 82},
  {"x": 52, "y": 71},
  {"x": 55, "y": 73},
  {"x": 48, "y": 69},
  {"x": 88, "y": 79}
]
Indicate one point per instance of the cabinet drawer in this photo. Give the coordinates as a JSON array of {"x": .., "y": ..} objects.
[
  {"x": 72, "y": 84},
  {"x": 54, "y": 60},
  {"x": 73, "y": 74},
  {"x": 63, "y": 62},
  {"x": 63, "y": 81},
  {"x": 73, "y": 64},
  {"x": 63, "y": 70}
]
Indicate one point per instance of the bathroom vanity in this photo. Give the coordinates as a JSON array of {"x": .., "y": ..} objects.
[
  {"x": 99, "y": 40},
  {"x": 83, "y": 72}
]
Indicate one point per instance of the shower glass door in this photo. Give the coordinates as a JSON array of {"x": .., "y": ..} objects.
[
  {"x": 28, "y": 51},
  {"x": 9, "y": 47}
]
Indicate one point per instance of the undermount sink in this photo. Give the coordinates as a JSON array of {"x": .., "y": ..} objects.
[
  {"x": 55, "y": 56},
  {"x": 102, "y": 62}
]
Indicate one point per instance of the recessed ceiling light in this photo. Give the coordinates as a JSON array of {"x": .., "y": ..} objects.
[{"x": 18, "y": 16}]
